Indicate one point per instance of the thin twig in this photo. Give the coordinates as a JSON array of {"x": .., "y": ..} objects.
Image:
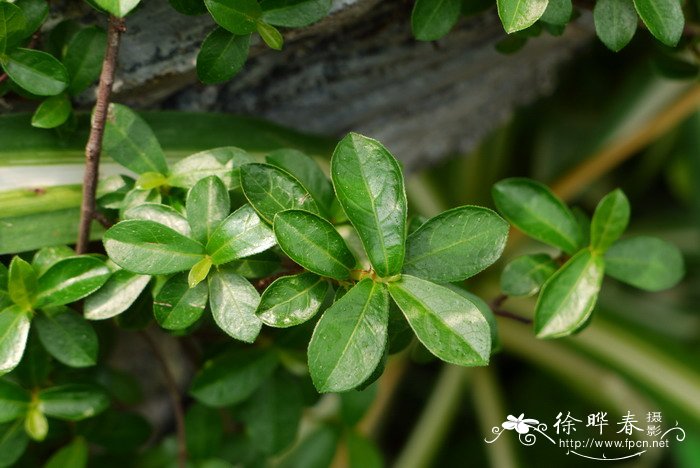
[
  {"x": 496, "y": 304},
  {"x": 97, "y": 129},
  {"x": 103, "y": 220},
  {"x": 175, "y": 398}
]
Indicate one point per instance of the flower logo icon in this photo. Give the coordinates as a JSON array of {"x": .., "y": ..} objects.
[{"x": 520, "y": 424}]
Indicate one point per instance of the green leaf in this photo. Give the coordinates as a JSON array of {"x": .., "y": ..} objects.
[
  {"x": 136, "y": 197},
  {"x": 313, "y": 243},
  {"x": 233, "y": 301},
  {"x": 316, "y": 450},
  {"x": 449, "y": 325},
  {"x": 294, "y": 13},
  {"x": 525, "y": 275},
  {"x": 52, "y": 112},
  {"x": 36, "y": 364},
  {"x": 272, "y": 37},
  {"x": 273, "y": 414},
  {"x": 609, "y": 220},
  {"x": 363, "y": 452},
  {"x": 73, "y": 402},
  {"x": 291, "y": 300},
  {"x": 177, "y": 306},
  {"x": 189, "y": 7},
  {"x": 256, "y": 266},
  {"x": 151, "y": 180},
  {"x": 241, "y": 234},
  {"x": 83, "y": 59},
  {"x": 233, "y": 376},
  {"x": 485, "y": 310},
  {"x": 48, "y": 256},
  {"x": 204, "y": 431},
  {"x": 222, "y": 56},
  {"x": 73, "y": 455},
  {"x": 199, "y": 272},
  {"x": 13, "y": 442},
  {"x": 221, "y": 162},
  {"x": 67, "y": 336},
  {"x": 236, "y": 16},
  {"x": 119, "y": 8},
  {"x": 306, "y": 171},
  {"x": 130, "y": 141},
  {"x": 118, "y": 294},
  {"x": 645, "y": 262},
  {"x": 517, "y": 15},
  {"x": 534, "y": 209},
  {"x": 456, "y": 244},
  {"x": 271, "y": 190},
  {"x": 161, "y": 214},
  {"x": 569, "y": 295},
  {"x": 35, "y": 13},
  {"x": 370, "y": 188},
  {"x": 14, "y": 401},
  {"x": 71, "y": 279},
  {"x": 36, "y": 72},
  {"x": 3, "y": 277},
  {"x": 12, "y": 26},
  {"x": 207, "y": 204},
  {"x": 150, "y": 248},
  {"x": 349, "y": 340},
  {"x": 22, "y": 283},
  {"x": 558, "y": 12},
  {"x": 663, "y": 18},
  {"x": 35, "y": 424},
  {"x": 433, "y": 19},
  {"x": 615, "y": 22}
]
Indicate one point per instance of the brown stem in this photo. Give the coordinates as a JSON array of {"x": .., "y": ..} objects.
[
  {"x": 97, "y": 130},
  {"x": 495, "y": 305},
  {"x": 175, "y": 398},
  {"x": 3, "y": 77}
]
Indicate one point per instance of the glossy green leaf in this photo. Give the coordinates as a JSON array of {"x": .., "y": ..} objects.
[
  {"x": 370, "y": 188},
  {"x": 3, "y": 277},
  {"x": 222, "y": 162},
  {"x": 73, "y": 455},
  {"x": 663, "y": 18},
  {"x": 568, "y": 297},
  {"x": 236, "y": 16},
  {"x": 615, "y": 22},
  {"x": 233, "y": 376},
  {"x": 534, "y": 209},
  {"x": 119, "y": 8},
  {"x": 35, "y": 13},
  {"x": 53, "y": 112},
  {"x": 151, "y": 180},
  {"x": 12, "y": 26},
  {"x": 36, "y": 72},
  {"x": 13, "y": 442},
  {"x": 313, "y": 243},
  {"x": 233, "y": 302},
  {"x": 609, "y": 220},
  {"x": 222, "y": 56},
  {"x": 273, "y": 414},
  {"x": 199, "y": 272},
  {"x": 294, "y": 13},
  {"x": 189, "y": 7},
  {"x": 242, "y": 234},
  {"x": 271, "y": 190},
  {"x": 73, "y": 402},
  {"x": 645, "y": 262},
  {"x": 291, "y": 300},
  {"x": 306, "y": 171},
  {"x": 270, "y": 35},
  {"x": 161, "y": 214},
  {"x": 14, "y": 401},
  {"x": 67, "y": 336},
  {"x": 349, "y": 340},
  {"x": 137, "y": 197},
  {"x": 456, "y": 244},
  {"x": 448, "y": 324},
  {"x": 71, "y": 279},
  {"x": 177, "y": 306},
  {"x": 517, "y": 15},
  {"x": 148, "y": 247},
  {"x": 485, "y": 310},
  {"x": 525, "y": 275},
  {"x": 83, "y": 59},
  {"x": 48, "y": 256},
  {"x": 432, "y": 19},
  {"x": 256, "y": 266},
  {"x": 558, "y": 12},
  {"x": 22, "y": 283},
  {"x": 35, "y": 424},
  {"x": 204, "y": 431},
  {"x": 130, "y": 141},
  {"x": 118, "y": 294},
  {"x": 207, "y": 204}
]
